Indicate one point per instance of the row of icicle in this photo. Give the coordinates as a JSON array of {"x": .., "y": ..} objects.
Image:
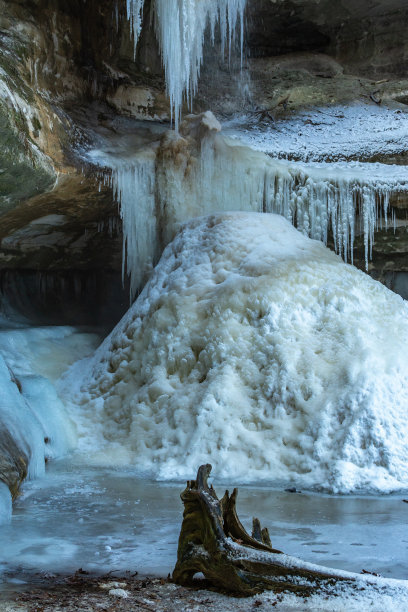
[{"x": 155, "y": 198}]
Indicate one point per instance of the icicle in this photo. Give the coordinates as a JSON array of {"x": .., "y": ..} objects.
[
  {"x": 222, "y": 175},
  {"x": 134, "y": 187},
  {"x": 200, "y": 171},
  {"x": 135, "y": 16},
  {"x": 180, "y": 28}
]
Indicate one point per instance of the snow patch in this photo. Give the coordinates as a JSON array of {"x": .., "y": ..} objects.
[
  {"x": 119, "y": 593},
  {"x": 334, "y": 133}
]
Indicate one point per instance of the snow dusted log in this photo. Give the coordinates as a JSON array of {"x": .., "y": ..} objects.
[{"x": 214, "y": 542}]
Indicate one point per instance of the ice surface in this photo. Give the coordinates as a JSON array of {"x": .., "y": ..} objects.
[
  {"x": 46, "y": 351},
  {"x": 17, "y": 417},
  {"x": 258, "y": 350},
  {"x": 120, "y": 522},
  {"x": 180, "y": 28}
]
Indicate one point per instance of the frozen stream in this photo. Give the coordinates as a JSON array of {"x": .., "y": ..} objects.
[{"x": 104, "y": 520}]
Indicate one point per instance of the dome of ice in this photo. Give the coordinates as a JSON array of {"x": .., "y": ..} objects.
[{"x": 258, "y": 350}]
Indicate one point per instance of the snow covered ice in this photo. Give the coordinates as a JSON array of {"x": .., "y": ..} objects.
[{"x": 260, "y": 351}]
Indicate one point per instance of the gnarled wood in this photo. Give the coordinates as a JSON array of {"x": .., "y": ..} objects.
[{"x": 213, "y": 541}]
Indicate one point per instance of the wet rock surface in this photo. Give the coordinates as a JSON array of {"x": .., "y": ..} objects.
[{"x": 61, "y": 255}]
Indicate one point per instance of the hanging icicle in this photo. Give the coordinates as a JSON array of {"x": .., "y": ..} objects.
[{"x": 180, "y": 29}]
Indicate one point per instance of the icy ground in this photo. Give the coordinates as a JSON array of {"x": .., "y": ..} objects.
[
  {"x": 331, "y": 133},
  {"x": 258, "y": 350},
  {"x": 103, "y": 519}
]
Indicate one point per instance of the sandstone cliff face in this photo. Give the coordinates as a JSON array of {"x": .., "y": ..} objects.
[{"x": 367, "y": 36}]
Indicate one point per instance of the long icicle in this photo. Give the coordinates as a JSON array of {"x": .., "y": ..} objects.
[{"x": 180, "y": 29}]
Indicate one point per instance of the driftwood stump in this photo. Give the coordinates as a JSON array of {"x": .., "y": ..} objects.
[{"x": 213, "y": 541}]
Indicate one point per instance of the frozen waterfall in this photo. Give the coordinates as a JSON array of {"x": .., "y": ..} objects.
[
  {"x": 200, "y": 171},
  {"x": 140, "y": 231},
  {"x": 258, "y": 350},
  {"x": 180, "y": 28}
]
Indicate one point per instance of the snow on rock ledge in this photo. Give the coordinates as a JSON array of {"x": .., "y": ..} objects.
[{"x": 258, "y": 350}]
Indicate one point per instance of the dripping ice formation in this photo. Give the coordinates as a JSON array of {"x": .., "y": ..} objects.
[
  {"x": 199, "y": 171},
  {"x": 180, "y": 28},
  {"x": 260, "y": 351},
  {"x": 134, "y": 13},
  {"x": 135, "y": 183}
]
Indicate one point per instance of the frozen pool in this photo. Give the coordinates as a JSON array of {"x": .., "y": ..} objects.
[{"x": 104, "y": 520}]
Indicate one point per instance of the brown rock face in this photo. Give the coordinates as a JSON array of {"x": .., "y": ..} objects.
[
  {"x": 61, "y": 255},
  {"x": 367, "y": 36},
  {"x": 13, "y": 463}
]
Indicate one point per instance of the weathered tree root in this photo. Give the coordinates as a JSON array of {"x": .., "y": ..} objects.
[{"x": 214, "y": 542}]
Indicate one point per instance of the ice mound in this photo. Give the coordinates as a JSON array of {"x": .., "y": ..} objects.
[{"x": 259, "y": 350}]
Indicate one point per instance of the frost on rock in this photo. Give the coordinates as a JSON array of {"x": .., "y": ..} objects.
[
  {"x": 180, "y": 28},
  {"x": 336, "y": 132},
  {"x": 257, "y": 349}
]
